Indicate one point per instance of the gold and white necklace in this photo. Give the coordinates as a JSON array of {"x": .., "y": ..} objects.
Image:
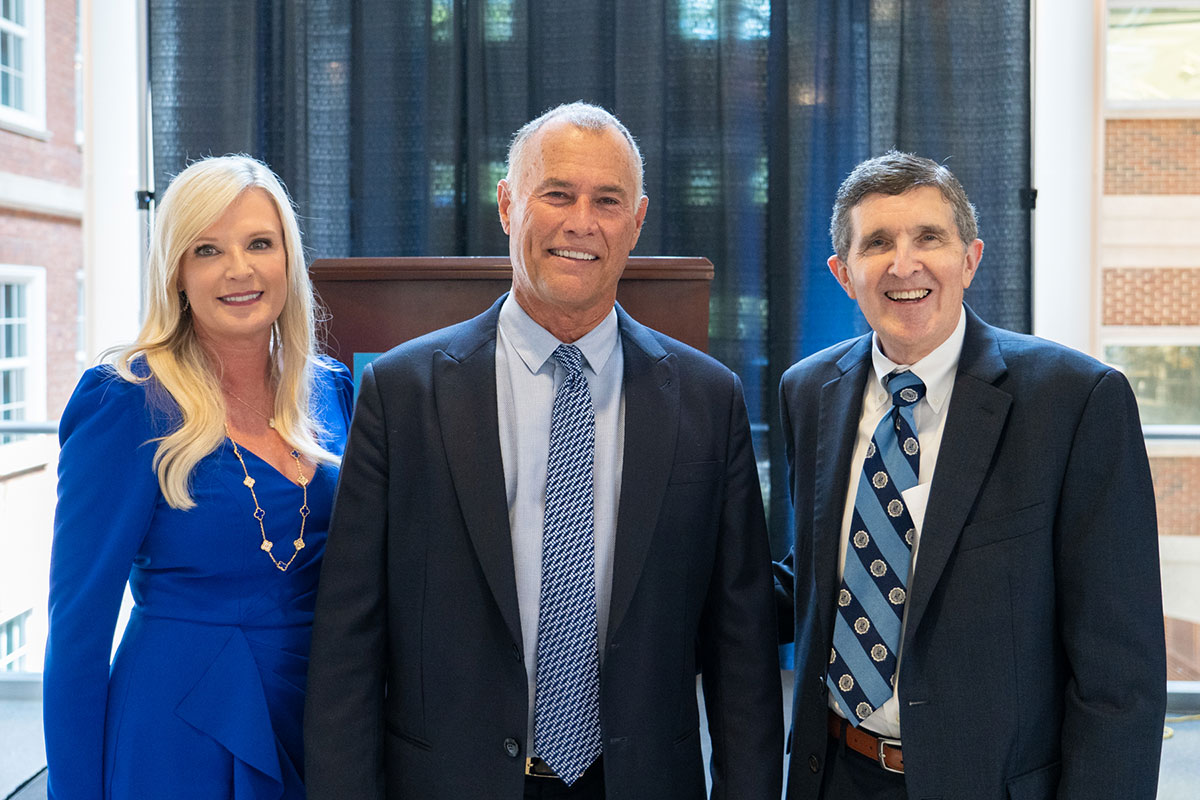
[{"x": 267, "y": 544}]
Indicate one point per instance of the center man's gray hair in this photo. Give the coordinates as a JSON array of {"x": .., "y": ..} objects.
[{"x": 582, "y": 115}]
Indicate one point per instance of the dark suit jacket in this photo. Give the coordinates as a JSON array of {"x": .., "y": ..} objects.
[
  {"x": 417, "y": 684},
  {"x": 1033, "y": 661}
]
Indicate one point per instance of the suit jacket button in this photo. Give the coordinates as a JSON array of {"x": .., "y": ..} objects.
[
  {"x": 814, "y": 763},
  {"x": 512, "y": 747}
]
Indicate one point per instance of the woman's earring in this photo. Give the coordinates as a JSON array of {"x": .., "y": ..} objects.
[{"x": 183, "y": 302}]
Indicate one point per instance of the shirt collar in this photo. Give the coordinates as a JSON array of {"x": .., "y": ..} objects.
[
  {"x": 535, "y": 345},
  {"x": 935, "y": 370}
]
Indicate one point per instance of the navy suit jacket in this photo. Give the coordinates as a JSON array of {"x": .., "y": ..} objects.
[
  {"x": 1033, "y": 660},
  {"x": 417, "y": 684}
]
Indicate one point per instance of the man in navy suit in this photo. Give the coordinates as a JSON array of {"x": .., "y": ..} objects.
[
  {"x": 426, "y": 678},
  {"x": 1026, "y": 655}
]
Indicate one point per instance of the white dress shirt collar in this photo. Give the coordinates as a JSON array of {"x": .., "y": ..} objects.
[{"x": 935, "y": 370}]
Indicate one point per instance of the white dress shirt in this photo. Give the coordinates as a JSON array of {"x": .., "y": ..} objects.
[
  {"x": 526, "y": 381},
  {"x": 936, "y": 371}
]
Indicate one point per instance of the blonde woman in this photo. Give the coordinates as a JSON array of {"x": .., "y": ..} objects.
[{"x": 200, "y": 466}]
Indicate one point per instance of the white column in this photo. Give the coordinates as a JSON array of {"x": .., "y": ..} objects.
[
  {"x": 112, "y": 224},
  {"x": 1067, "y": 96}
]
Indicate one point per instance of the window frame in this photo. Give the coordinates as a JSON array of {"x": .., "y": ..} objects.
[
  {"x": 32, "y": 119},
  {"x": 28, "y": 453}
]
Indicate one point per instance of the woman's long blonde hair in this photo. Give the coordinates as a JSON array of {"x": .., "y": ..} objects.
[{"x": 196, "y": 198}]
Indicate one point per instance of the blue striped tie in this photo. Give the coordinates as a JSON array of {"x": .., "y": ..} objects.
[
  {"x": 866, "y": 632},
  {"x": 567, "y": 702}
]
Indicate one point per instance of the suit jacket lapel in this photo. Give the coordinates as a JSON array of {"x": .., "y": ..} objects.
[
  {"x": 977, "y": 413},
  {"x": 651, "y": 425},
  {"x": 464, "y": 381},
  {"x": 840, "y": 408}
]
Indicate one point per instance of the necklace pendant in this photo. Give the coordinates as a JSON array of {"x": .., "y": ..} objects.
[
  {"x": 266, "y": 545},
  {"x": 249, "y": 482},
  {"x": 298, "y": 544}
]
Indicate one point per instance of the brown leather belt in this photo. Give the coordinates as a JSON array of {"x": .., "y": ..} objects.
[{"x": 885, "y": 752}]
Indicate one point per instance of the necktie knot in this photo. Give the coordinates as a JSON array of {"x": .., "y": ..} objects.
[
  {"x": 570, "y": 357},
  {"x": 906, "y": 388}
]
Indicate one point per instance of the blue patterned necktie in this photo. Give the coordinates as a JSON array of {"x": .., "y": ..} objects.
[
  {"x": 866, "y": 632},
  {"x": 567, "y": 702}
]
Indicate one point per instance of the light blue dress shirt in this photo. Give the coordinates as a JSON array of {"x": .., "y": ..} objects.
[{"x": 526, "y": 380}]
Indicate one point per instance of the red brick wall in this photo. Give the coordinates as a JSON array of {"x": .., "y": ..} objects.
[
  {"x": 1183, "y": 650},
  {"x": 1177, "y": 495},
  {"x": 1152, "y": 156},
  {"x": 1151, "y": 296},
  {"x": 54, "y": 243}
]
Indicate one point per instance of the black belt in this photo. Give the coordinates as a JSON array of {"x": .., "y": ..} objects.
[{"x": 536, "y": 768}]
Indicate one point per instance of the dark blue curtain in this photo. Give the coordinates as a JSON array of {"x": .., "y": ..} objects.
[{"x": 390, "y": 121}]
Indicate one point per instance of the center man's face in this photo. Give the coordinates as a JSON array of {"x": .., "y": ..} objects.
[
  {"x": 907, "y": 267},
  {"x": 572, "y": 218}
]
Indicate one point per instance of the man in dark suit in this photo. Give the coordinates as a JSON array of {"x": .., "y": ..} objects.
[
  {"x": 548, "y": 522},
  {"x": 975, "y": 577}
]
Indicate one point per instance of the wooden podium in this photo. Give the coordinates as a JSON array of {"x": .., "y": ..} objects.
[{"x": 377, "y": 303}]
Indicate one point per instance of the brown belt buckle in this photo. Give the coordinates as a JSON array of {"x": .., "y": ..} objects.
[
  {"x": 882, "y": 754},
  {"x": 536, "y": 768}
]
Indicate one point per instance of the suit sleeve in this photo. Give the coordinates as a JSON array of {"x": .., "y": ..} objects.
[
  {"x": 739, "y": 656},
  {"x": 343, "y": 720},
  {"x": 338, "y": 399},
  {"x": 1110, "y": 605},
  {"x": 107, "y": 492},
  {"x": 343, "y": 386},
  {"x": 784, "y": 570}
]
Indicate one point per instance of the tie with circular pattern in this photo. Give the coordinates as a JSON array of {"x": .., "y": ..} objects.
[{"x": 866, "y": 631}]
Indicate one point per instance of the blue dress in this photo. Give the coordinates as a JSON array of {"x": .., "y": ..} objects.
[{"x": 205, "y": 695}]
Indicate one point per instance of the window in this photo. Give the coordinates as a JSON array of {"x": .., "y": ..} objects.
[
  {"x": 14, "y": 353},
  {"x": 1152, "y": 55},
  {"x": 441, "y": 20},
  {"x": 701, "y": 20},
  {"x": 14, "y": 642},
  {"x": 1165, "y": 380},
  {"x": 22, "y": 65},
  {"x": 698, "y": 20},
  {"x": 498, "y": 21},
  {"x": 22, "y": 347}
]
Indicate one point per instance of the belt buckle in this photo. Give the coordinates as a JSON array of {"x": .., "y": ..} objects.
[
  {"x": 881, "y": 756},
  {"x": 537, "y": 768}
]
